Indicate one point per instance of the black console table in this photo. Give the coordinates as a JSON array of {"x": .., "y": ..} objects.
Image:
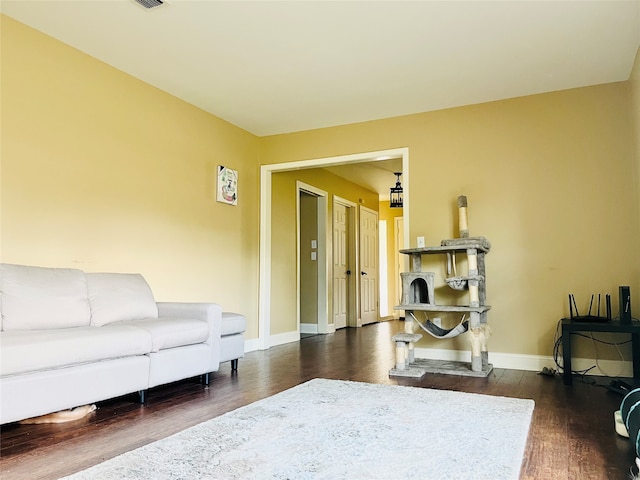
[{"x": 570, "y": 326}]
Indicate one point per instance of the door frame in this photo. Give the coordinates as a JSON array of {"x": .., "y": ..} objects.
[
  {"x": 323, "y": 270},
  {"x": 266, "y": 171}
]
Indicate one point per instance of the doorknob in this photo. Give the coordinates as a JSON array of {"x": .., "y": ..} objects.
[
  {"x": 363, "y": 273},
  {"x": 348, "y": 272}
]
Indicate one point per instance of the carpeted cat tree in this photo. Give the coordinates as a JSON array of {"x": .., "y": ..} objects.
[{"x": 418, "y": 295}]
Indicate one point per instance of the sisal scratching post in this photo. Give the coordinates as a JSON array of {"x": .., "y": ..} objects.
[
  {"x": 476, "y": 358},
  {"x": 404, "y": 349},
  {"x": 484, "y": 353},
  {"x": 463, "y": 223},
  {"x": 408, "y": 325},
  {"x": 408, "y": 328},
  {"x": 474, "y": 295},
  {"x": 411, "y": 353},
  {"x": 479, "y": 354},
  {"x": 472, "y": 258},
  {"x": 401, "y": 355}
]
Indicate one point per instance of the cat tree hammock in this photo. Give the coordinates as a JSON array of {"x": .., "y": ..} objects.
[{"x": 418, "y": 294}]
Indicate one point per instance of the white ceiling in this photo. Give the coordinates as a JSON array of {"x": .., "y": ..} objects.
[
  {"x": 377, "y": 176},
  {"x": 275, "y": 67}
]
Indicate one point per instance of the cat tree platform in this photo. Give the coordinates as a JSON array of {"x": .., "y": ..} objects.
[{"x": 421, "y": 366}]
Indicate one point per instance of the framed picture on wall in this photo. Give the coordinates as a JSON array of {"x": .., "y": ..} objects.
[{"x": 227, "y": 185}]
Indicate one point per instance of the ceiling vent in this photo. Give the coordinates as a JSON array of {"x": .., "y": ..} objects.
[{"x": 150, "y": 3}]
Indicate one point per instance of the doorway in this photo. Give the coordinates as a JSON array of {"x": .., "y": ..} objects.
[
  {"x": 311, "y": 259},
  {"x": 265, "y": 339},
  {"x": 308, "y": 247}
]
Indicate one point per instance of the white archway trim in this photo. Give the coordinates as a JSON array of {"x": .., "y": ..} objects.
[{"x": 264, "y": 300}]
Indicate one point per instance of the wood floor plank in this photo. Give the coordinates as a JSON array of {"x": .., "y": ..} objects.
[{"x": 572, "y": 432}]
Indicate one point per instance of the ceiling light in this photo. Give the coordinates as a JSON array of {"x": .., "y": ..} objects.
[{"x": 395, "y": 193}]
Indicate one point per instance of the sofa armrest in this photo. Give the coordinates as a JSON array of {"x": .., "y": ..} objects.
[{"x": 209, "y": 312}]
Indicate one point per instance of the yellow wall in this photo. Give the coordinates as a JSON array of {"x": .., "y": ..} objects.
[
  {"x": 103, "y": 172},
  {"x": 634, "y": 82},
  {"x": 548, "y": 183}
]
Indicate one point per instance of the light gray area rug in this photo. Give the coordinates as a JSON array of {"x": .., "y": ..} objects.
[{"x": 332, "y": 429}]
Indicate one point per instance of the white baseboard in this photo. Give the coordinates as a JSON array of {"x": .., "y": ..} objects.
[
  {"x": 282, "y": 338},
  {"x": 613, "y": 368},
  {"x": 331, "y": 328},
  {"x": 308, "y": 328},
  {"x": 251, "y": 345}
]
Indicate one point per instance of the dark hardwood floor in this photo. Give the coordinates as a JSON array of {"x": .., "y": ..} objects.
[{"x": 572, "y": 434}]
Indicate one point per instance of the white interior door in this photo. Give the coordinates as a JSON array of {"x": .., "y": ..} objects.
[
  {"x": 340, "y": 265},
  {"x": 368, "y": 265}
]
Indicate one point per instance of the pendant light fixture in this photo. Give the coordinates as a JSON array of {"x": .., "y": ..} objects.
[{"x": 395, "y": 193}]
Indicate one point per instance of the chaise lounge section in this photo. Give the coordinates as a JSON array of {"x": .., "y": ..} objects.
[{"x": 232, "y": 338}]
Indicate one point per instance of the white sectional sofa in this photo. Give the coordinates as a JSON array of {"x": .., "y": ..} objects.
[{"x": 70, "y": 338}]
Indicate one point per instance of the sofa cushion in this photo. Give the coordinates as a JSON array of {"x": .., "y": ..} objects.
[
  {"x": 36, "y": 298},
  {"x": 172, "y": 332},
  {"x": 232, "y": 323},
  {"x": 36, "y": 350},
  {"x": 115, "y": 297}
]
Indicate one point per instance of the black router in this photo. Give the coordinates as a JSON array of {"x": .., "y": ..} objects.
[{"x": 589, "y": 318}]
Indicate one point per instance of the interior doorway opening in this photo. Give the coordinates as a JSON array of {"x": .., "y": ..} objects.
[
  {"x": 265, "y": 339},
  {"x": 311, "y": 260}
]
